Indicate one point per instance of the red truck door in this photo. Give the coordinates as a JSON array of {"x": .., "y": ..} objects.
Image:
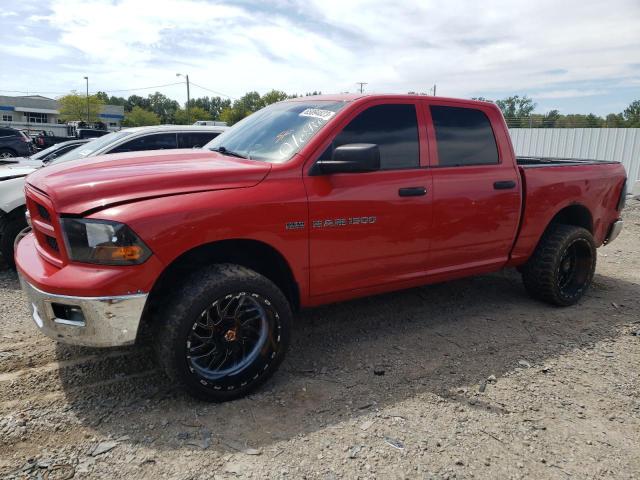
[
  {"x": 369, "y": 229},
  {"x": 476, "y": 187}
]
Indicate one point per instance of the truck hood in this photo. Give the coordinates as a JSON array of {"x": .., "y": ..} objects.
[{"x": 78, "y": 186}]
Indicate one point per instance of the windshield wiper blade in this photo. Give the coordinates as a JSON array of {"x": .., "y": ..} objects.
[{"x": 230, "y": 153}]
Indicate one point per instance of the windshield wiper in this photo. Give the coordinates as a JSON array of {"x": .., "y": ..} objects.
[{"x": 230, "y": 153}]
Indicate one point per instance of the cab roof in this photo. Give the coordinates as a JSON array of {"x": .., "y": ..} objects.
[{"x": 350, "y": 97}]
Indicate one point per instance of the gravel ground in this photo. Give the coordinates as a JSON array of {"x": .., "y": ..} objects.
[{"x": 468, "y": 379}]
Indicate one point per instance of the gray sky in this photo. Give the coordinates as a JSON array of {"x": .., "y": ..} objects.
[{"x": 577, "y": 56}]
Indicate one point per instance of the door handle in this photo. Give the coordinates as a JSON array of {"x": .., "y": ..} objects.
[
  {"x": 504, "y": 185},
  {"x": 412, "y": 191}
]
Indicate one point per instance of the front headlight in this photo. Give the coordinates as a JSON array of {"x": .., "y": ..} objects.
[{"x": 103, "y": 242}]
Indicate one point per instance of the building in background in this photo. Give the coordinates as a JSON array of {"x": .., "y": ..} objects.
[{"x": 34, "y": 112}]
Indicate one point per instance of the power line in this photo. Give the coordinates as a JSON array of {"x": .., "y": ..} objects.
[
  {"x": 213, "y": 91},
  {"x": 142, "y": 88},
  {"x": 32, "y": 92}
]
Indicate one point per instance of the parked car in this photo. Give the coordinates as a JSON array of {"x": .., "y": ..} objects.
[
  {"x": 14, "y": 143},
  {"x": 42, "y": 157},
  {"x": 45, "y": 139},
  {"x": 12, "y": 202},
  {"x": 90, "y": 133},
  {"x": 210, "y": 123},
  {"x": 308, "y": 201}
]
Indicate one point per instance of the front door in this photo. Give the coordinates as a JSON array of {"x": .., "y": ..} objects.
[{"x": 372, "y": 229}]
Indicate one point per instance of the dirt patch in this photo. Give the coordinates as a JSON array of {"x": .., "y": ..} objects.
[{"x": 464, "y": 379}]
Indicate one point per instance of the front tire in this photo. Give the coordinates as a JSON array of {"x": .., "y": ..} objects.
[
  {"x": 224, "y": 333},
  {"x": 7, "y": 153},
  {"x": 562, "y": 266}
]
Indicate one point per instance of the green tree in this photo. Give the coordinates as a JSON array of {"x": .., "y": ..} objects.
[
  {"x": 550, "y": 119},
  {"x": 632, "y": 114},
  {"x": 615, "y": 120},
  {"x": 74, "y": 107},
  {"x": 250, "y": 102},
  {"x": 102, "y": 96},
  {"x": 233, "y": 115},
  {"x": 593, "y": 121},
  {"x": 195, "y": 113},
  {"x": 274, "y": 96},
  {"x": 213, "y": 105},
  {"x": 163, "y": 106},
  {"x": 516, "y": 110},
  {"x": 139, "y": 117},
  {"x": 113, "y": 100},
  {"x": 137, "y": 101}
]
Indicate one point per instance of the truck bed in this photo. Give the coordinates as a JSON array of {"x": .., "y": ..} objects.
[
  {"x": 534, "y": 162},
  {"x": 567, "y": 182}
]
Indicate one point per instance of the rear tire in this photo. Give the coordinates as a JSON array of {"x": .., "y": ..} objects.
[
  {"x": 223, "y": 333},
  {"x": 10, "y": 226},
  {"x": 562, "y": 266}
]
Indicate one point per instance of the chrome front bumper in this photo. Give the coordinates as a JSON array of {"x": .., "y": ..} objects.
[
  {"x": 93, "y": 322},
  {"x": 614, "y": 231}
]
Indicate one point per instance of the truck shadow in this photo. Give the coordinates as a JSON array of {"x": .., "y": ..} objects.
[{"x": 353, "y": 358}]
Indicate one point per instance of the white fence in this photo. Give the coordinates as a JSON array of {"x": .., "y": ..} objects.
[{"x": 616, "y": 144}]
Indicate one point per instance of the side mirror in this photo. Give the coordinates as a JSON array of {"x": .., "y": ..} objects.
[{"x": 350, "y": 158}]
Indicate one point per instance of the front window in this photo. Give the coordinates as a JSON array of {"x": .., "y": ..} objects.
[
  {"x": 393, "y": 127},
  {"x": 89, "y": 149},
  {"x": 277, "y": 132}
]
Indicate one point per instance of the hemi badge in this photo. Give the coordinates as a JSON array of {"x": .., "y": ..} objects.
[{"x": 294, "y": 225}]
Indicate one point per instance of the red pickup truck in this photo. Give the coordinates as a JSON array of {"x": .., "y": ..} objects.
[{"x": 308, "y": 201}]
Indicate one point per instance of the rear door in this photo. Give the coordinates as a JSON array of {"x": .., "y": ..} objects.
[
  {"x": 372, "y": 229},
  {"x": 476, "y": 188}
]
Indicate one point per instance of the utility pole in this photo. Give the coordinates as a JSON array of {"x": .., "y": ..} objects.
[
  {"x": 188, "y": 97},
  {"x": 362, "y": 84},
  {"x": 87, "y": 79},
  {"x": 434, "y": 89}
]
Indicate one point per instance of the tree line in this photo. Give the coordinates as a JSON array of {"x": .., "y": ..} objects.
[
  {"x": 518, "y": 113},
  {"x": 157, "y": 109}
]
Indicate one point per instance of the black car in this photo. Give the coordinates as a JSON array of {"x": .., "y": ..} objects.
[{"x": 14, "y": 143}]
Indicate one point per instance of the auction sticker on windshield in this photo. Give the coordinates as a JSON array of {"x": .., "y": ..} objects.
[{"x": 317, "y": 113}]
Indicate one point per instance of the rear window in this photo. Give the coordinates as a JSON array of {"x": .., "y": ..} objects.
[
  {"x": 464, "y": 137},
  {"x": 195, "y": 139}
]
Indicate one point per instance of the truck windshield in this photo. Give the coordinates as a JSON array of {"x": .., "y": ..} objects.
[
  {"x": 277, "y": 132},
  {"x": 89, "y": 148}
]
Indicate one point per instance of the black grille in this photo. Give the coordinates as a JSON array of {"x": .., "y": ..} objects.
[
  {"x": 52, "y": 242},
  {"x": 43, "y": 212}
]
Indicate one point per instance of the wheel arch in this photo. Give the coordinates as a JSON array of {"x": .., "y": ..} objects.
[
  {"x": 9, "y": 149},
  {"x": 256, "y": 255},
  {"x": 574, "y": 214}
]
